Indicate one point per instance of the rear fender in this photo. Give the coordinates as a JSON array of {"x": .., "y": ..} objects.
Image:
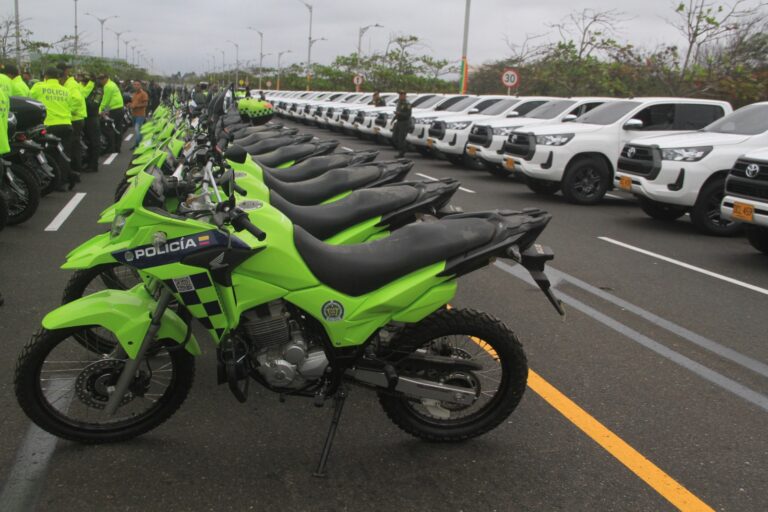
[{"x": 126, "y": 314}]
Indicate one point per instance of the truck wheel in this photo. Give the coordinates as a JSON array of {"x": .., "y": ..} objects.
[
  {"x": 542, "y": 187},
  {"x": 661, "y": 211},
  {"x": 586, "y": 181},
  {"x": 499, "y": 171},
  {"x": 758, "y": 238},
  {"x": 705, "y": 214}
]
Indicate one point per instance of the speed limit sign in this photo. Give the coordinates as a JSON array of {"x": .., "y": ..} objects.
[
  {"x": 510, "y": 78},
  {"x": 358, "y": 80}
]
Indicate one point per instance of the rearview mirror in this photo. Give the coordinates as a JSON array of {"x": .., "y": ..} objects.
[
  {"x": 569, "y": 118},
  {"x": 633, "y": 124},
  {"x": 514, "y": 113}
]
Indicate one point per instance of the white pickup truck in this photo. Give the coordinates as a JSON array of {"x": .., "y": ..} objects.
[
  {"x": 449, "y": 136},
  {"x": 579, "y": 158},
  {"x": 486, "y": 141},
  {"x": 746, "y": 197},
  {"x": 685, "y": 173},
  {"x": 385, "y": 121}
]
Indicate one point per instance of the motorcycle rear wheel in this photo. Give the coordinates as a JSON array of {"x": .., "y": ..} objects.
[
  {"x": 64, "y": 387},
  {"x": 464, "y": 334},
  {"x": 26, "y": 195}
]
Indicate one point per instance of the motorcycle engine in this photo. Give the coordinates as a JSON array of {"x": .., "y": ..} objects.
[{"x": 279, "y": 349}]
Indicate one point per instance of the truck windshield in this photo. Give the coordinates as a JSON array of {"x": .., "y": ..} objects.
[
  {"x": 429, "y": 102},
  {"x": 463, "y": 104},
  {"x": 500, "y": 107},
  {"x": 749, "y": 120},
  {"x": 608, "y": 113},
  {"x": 550, "y": 109}
]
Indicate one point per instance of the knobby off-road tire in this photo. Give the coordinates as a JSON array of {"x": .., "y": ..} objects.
[
  {"x": 31, "y": 397},
  {"x": 469, "y": 323},
  {"x": 26, "y": 203}
]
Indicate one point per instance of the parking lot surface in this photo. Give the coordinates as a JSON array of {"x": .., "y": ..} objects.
[{"x": 651, "y": 394}]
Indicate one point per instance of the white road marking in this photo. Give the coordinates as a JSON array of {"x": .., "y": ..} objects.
[
  {"x": 129, "y": 137},
  {"x": 65, "y": 212},
  {"x": 686, "y": 265},
  {"x": 467, "y": 190},
  {"x": 110, "y": 159},
  {"x": 345, "y": 148}
]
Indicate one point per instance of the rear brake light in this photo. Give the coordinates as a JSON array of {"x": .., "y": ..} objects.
[{"x": 43, "y": 131}]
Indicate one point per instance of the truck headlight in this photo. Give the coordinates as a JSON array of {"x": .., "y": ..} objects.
[
  {"x": 505, "y": 131},
  {"x": 424, "y": 120},
  {"x": 458, "y": 125},
  {"x": 685, "y": 154},
  {"x": 559, "y": 139}
]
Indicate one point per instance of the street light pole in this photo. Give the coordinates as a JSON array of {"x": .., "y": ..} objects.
[
  {"x": 101, "y": 21},
  {"x": 237, "y": 63},
  {"x": 261, "y": 51},
  {"x": 127, "y": 42},
  {"x": 118, "y": 34},
  {"x": 311, "y": 43},
  {"x": 309, "y": 46},
  {"x": 76, "y": 41},
  {"x": 464, "y": 63},
  {"x": 18, "y": 34},
  {"x": 279, "y": 55},
  {"x": 360, "y": 35}
]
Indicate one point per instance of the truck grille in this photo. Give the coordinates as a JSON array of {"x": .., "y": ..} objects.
[
  {"x": 359, "y": 118},
  {"x": 482, "y": 135},
  {"x": 740, "y": 170},
  {"x": 437, "y": 130},
  {"x": 644, "y": 161},
  {"x": 345, "y": 114},
  {"x": 741, "y": 188},
  {"x": 520, "y": 144}
]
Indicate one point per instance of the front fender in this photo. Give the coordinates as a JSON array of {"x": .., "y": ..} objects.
[
  {"x": 92, "y": 252},
  {"x": 126, "y": 314}
]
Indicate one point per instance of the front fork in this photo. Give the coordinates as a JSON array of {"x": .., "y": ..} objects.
[{"x": 132, "y": 365}]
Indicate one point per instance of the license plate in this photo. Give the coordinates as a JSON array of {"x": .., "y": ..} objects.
[
  {"x": 743, "y": 212},
  {"x": 429, "y": 143},
  {"x": 471, "y": 150},
  {"x": 625, "y": 182},
  {"x": 509, "y": 164},
  {"x": 377, "y": 129}
]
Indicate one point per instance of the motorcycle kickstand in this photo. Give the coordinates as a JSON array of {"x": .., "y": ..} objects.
[{"x": 338, "y": 405}]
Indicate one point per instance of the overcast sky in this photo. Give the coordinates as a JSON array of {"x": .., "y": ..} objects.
[{"x": 181, "y": 34}]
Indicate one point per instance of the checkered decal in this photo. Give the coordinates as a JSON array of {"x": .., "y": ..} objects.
[{"x": 198, "y": 295}]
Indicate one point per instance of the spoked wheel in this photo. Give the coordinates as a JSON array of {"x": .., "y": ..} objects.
[
  {"x": 111, "y": 276},
  {"x": 64, "y": 387},
  {"x": 498, "y": 387},
  {"x": 705, "y": 214}
]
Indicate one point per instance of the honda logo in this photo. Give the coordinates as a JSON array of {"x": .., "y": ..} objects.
[{"x": 752, "y": 170}]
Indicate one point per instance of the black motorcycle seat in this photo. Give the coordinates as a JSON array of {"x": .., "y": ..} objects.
[
  {"x": 312, "y": 167},
  {"x": 267, "y": 145},
  {"x": 253, "y": 138},
  {"x": 326, "y": 186},
  {"x": 285, "y": 154},
  {"x": 325, "y": 220},
  {"x": 359, "y": 269}
]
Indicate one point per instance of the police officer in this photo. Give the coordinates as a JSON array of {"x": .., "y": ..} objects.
[
  {"x": 376, "y": 101},
  {"x": 5, "y": 81},
  {"x": 112, "y": 106},
  {"x": 402, "y": 124},
  {"x": 78, "y": 115},
  {"x": 58, "y": 120},
  {"x": 92, "y": 93},
  {"x": 4, "y": 147},
  {"x": 18, "y": 86}
]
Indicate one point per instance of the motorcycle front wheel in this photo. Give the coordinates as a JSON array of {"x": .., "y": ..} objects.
[
  {"x": 462, "y": 334},
  {"x": 64, "y": 387}
]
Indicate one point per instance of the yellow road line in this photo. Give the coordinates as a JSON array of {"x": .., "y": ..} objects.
[{"x": 646, "y": 470}]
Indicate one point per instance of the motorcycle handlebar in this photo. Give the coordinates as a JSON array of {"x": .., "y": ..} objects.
[{"x": 240, "y": 222}]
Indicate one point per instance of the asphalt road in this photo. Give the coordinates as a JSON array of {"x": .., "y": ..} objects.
[{"x": 663, "y": 366}]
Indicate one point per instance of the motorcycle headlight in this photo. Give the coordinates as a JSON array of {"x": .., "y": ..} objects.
[
  {"x": 559, "y": 139},
  {"x": 685, "y": 154},
  {"x": 505, "y": 131},
  {"x": 458, "y": 125},
  {"x": 118, "y": 223}
]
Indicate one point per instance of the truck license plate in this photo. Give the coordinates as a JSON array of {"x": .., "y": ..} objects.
[
  {"x": 743, "y": 212},
  {"x": 509, "y": 164},
  {"x": 429, "y": 143},
  {"x": 471, "y": 150},
  {"x": 625, "y": 182}
]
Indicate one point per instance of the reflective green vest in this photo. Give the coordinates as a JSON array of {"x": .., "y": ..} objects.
[
  {"x": 56, "y": 98},
  {"x": 4, "y": 107},
  {"x": 19, "y": 87},
  {"x": 112, "y": 99},
  {"x": 86, "y": 89},
  {"x": 5, "y": 84},
  {"x": 76, "y": 97}
]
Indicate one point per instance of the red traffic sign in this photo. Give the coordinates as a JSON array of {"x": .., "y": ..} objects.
[
  {"x": 510, "y": 78},
  {"x": 358, "y": 80}
]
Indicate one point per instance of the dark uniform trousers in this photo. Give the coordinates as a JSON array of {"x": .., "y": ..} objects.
[
  {"x": 75, "y": 152},
  {"x": 64, "y": 132},
  {"x": 93, "y": 136}
]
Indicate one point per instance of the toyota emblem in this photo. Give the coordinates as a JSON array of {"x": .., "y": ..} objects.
[
  {"x": 631, "y": 152},
  {"x": 752, "y": 170}
]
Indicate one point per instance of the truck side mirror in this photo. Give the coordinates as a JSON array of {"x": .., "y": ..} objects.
[
  {"x": 569, "y": 118},
  {"x": 633, "y": 124},
  {"x": 473, "y": 111},
  {"x": 514, "y": 113}
]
